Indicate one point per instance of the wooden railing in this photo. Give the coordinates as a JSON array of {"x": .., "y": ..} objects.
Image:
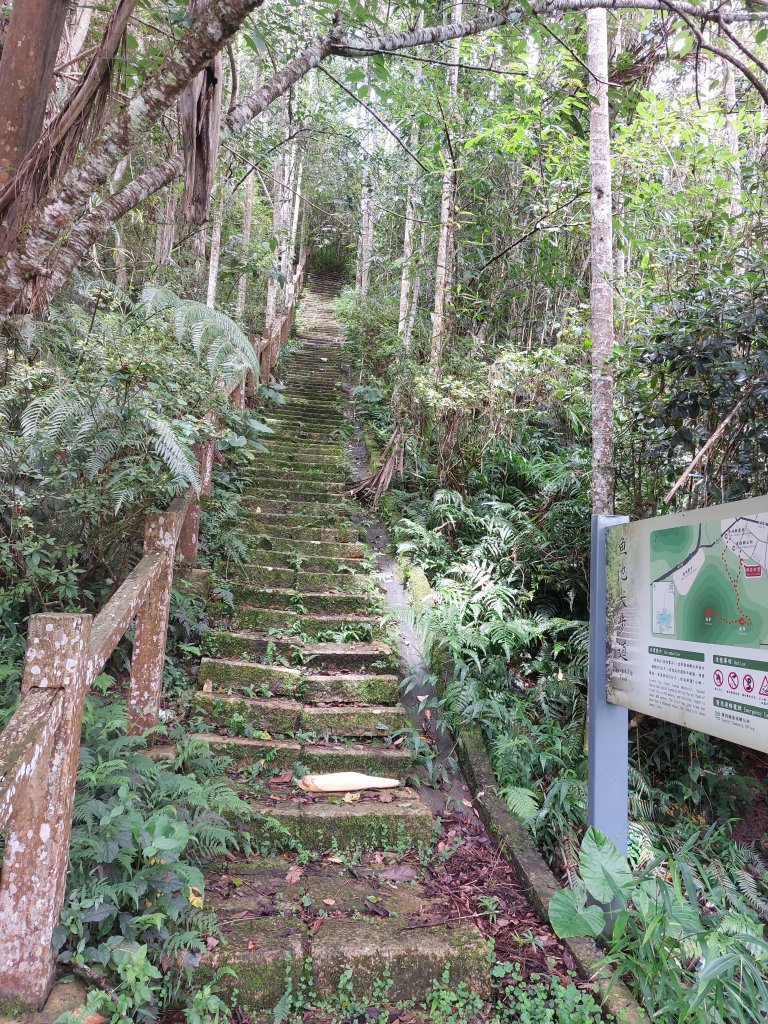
[{"x": 39, "y": 747}]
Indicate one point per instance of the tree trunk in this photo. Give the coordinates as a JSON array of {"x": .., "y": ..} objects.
[
  {"x": 26, "y": 73},
  {"x": 166, "y": 229},
  {"x": 242, "y": 281},
  {"x": 200, "y": 117},
  {"x": 294, "y": 234},
  {"x": 601, "y": 291},
  {"x": 446, "y": 237},
  {"x": 121, "y": 261},
  {"x": 415, "y": 292},
  {"x": 279, "y": 220},
  {"x": 213, "y": 266},
  {"x": 730, "y": 104},
  {"x": 367, "y": 225},
  {"x": 75, "y": 33}
]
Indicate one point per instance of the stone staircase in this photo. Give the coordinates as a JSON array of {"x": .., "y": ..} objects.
[{"x": 304, "y": 678}]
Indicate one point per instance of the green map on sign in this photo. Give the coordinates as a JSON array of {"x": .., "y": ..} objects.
[{"x": 709, "y": 582}]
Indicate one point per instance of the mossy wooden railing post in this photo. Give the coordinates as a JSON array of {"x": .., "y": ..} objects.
[
  {"x": 190, "y": 528},
  {"x": 38, "y": 764},
  {"x": 161, "y": 532}
]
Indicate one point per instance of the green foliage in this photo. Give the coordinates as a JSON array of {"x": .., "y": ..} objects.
[
  {"x": 690, "y": 959},
  {"x": 134, "y": 913},
  {"x": 99, "y": 426}
]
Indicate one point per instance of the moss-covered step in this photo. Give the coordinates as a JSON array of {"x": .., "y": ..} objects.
[
  {"x": 319, "y": 601},
  {"x": 334, "y": 505},
  {"x": 350, "y": 688},
  {"x": 265, "y": 953},
  {"x": 358, "y": 722},
  {"x": 330, "y": 549},
  {"x": 308, "y": 563},
  {"x": 279, "y": 534},
  {"x": 298, "y": 487},
  {"x": 334, "y": 510},
  {"x": 317, "y": 825},
  {"x": 415, "y": 958},
  {"x": 286, "y": 755},
  {"x": 323, "y": 658},
  {"x": 285, "y": 623},
  {"x": 290, "y": 445},
  {"x": 252, "y": 679},
  {"x": 313, "y": 419},
  {"x": 277, "y": 716},
  {"x": 257, "y": 576},
  {"x": 301, "y": 429},
  {"x": 237, "y": 676},
  {"x": 295, "y": 522},
  {"x": 307, "y": 468},
  {"x": 281, "y": 717},
  {"x": 295, "y": 459}
]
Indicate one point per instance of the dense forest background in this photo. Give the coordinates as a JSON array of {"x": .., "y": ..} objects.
[{"x": 178, "y": 159}]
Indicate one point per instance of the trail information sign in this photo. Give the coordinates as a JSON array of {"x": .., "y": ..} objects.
[{"x": 687, "y": 619}]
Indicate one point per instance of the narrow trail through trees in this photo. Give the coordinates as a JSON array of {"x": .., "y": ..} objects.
[
  {"x": 303, "y": 676},
  {"x": 305, "y": 657}
]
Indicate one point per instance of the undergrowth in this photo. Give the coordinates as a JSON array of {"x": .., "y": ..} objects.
[{"x": 494, "y": 508}]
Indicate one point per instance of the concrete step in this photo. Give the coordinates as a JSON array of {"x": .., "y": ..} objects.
[
  {"x": 308, "y": 563},
  {"x": 318, "y": 601},
  {"x": 280, "y": 756},
  {"x": 366, "y": 923},
  {"x": 287, "y": 717},
  {"x": 236, "y": 676},
  {"x": 285, "y": 533},
  {"x": 274, "y": 541},
  {"x": 245, "y": 645},
  {"x": 290, "y": 624},
  {"x": 300, "y": 489},
  {"x": 318, "y": 823},
  {"x": 301, "y": 580}
]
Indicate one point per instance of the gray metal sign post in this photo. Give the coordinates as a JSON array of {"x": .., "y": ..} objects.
[{"x": 608, "y": 772}]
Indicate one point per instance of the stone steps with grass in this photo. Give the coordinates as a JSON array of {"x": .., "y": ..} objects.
[{"x": 301, "y": 676}]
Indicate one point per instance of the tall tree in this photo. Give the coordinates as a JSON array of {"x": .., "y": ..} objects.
[
  {"x": 28, "y": 58},
  {"x": 447, "y": 233},
  {"x": 601, "y": 289}
]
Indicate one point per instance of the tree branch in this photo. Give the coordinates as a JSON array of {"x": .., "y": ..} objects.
[
  {"x": 381, "y": 120},
  {"x": 208, "y": 33}
]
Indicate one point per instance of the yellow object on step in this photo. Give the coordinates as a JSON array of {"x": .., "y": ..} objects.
[{"x": 344, "y": 782}]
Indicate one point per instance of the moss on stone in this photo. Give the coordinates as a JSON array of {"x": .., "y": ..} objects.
[
  {"x": 351, "y": 721},
  {"x": 264, "y": 954},
  {"x": 369, "y": 759},
  {"x": 265, "y": 618},
  {"x": 277, "y": 717},
  {"x": 374, "y": 689},
  {"x": 370, "y": 831},
  {"x": 345, "y": 582},
  {"x": 267, "y": 680}
]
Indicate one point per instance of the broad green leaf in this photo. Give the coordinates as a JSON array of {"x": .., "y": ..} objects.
[
  {"x": 571, "y": 917},
  {"x": 602, "y": 867}
]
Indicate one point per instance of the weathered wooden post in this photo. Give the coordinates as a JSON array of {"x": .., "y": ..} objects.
[
  {"x": 238, "y": 395},
  {"x": 152, "y": 627},
  {"x": 34, "y": 872},
  {"x": 190, "y": 528},
  {"x": 265, "y": 356}
]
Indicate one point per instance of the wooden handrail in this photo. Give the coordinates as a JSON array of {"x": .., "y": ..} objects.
[
  {"x": 26, "y": 738},
  {"x": 118, "y": 613}
]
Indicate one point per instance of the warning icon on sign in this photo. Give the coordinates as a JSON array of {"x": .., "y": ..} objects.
[
  {"x": 764, "y": 687},
  {"x": 718, "y": 677}
]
